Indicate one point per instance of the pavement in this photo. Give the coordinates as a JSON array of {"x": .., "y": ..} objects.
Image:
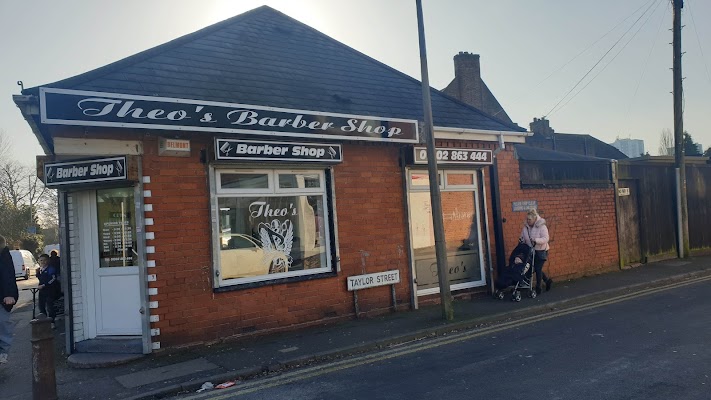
[{"x": 185, "y": 370}]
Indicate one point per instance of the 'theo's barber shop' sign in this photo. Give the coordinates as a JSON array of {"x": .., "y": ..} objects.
[{"x": 74, "y": 107}]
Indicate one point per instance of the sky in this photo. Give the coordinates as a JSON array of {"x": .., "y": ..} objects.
[{"x": 533, "y": 52}]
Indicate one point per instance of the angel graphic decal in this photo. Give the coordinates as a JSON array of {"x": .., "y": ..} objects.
[{"x": 277, "y": 239}]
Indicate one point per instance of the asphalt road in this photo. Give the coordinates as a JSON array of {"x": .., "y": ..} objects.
[{"x": 653, "y": 347}]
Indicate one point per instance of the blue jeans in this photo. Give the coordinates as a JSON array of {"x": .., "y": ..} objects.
[{"x": 5, "y": 331}]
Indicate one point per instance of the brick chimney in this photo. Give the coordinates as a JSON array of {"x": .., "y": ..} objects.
[
  {"x": 467, "y": 73},
  {"x": 541, "y": 127}
]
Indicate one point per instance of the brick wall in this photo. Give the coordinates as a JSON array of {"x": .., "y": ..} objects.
[
  {"x": 581, "y": 222},
  {"x": 371, "y": 218}
]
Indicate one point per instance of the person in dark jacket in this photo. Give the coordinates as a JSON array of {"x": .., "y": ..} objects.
[
  {"x": 8, "y": 296},
  {"x": 48, "y": 287}
]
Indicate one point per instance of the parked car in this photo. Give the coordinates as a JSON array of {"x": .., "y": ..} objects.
[{"x": 24, "y": 262}]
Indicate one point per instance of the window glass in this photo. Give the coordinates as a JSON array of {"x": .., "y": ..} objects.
[
  {"x": 244, "y": 181},
  {"x": 460, "y": 179},
  {"x": 461, "y": 232},
  {"x": 270, "y": 235},
  {"x": 117, "y": 227},
  {"x": 293, "y": 181}
]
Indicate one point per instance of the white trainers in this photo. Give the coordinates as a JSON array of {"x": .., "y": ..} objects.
[{"x": 3, "y": 358}]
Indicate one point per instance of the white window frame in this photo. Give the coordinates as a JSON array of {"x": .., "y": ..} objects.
[
  {"x": 423, "y": 188},
  {"x": 272, "y": 191},
  {"x": 443, "y": 174},
  {"x": 457, "y": 188},
  {"x": 220, "y": 190},
  {"x": 320, "y": 189}
]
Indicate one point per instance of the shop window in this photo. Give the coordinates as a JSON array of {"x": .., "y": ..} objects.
[
  {"x": 276, "y": 228},
  {"x": 460, "y": 215}
]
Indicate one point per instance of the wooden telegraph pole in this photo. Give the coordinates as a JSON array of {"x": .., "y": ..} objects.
[
  {"x": 435, "y": 197},
  {"x": 680, "y": 163}
]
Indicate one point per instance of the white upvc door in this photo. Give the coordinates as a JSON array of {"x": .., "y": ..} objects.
[{"x": 110, "y": 272}]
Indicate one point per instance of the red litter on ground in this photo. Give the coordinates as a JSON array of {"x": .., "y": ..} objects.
[{"x": 225, "y": 385}]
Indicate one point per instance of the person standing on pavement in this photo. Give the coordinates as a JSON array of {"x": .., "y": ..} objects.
[
  {"x": 535, "y": 234},
  {"x": 48, "y": 287},
  {"x": 8, "y": 296}
]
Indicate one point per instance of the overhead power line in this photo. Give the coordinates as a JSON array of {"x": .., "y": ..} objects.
[
  {"x": 603, "y": 56},
  {"x": 646, "y": 64},
  {"x": 574, "y": 58},
  {"x": 609, "y": 62},
  {"x": 693, "y": 24}
]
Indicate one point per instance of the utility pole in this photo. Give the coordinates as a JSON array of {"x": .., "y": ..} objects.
[
  {"x": 680, "y": 163},
  {"x": 435, "y": 197}
]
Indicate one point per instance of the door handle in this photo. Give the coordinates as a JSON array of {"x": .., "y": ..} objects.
[{"x": 142, "y": 310}]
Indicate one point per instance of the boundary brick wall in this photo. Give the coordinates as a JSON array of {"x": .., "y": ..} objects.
[{"x": 581, "y": 222}]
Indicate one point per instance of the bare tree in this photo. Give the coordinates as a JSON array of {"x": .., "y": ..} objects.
[{"x": 666, "y": 143}]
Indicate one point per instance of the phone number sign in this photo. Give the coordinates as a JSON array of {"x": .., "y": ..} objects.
[{"x": 456, "y": 156}]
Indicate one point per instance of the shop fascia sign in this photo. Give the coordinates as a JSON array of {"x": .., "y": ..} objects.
[
  {"x": 235, "y": 149},
  {"x": 64, "y": 173},
  {"x": 74, "y": 107},
  {"x": 455, "y": 156}
]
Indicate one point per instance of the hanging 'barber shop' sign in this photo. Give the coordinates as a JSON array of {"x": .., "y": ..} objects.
[
  {"x": 73, "y": 107},
  {"x": 234, "y": 149},
  {"x": 84, "y": 171}
]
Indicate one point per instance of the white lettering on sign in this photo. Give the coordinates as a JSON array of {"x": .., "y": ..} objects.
[
  {"x": 93, "y": 170},
  {"x": 359, "y": 282},
  {"x": 459, "y": 156}
]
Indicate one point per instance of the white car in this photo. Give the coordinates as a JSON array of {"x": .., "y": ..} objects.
[
  {"x": 24, "y": 263},
  {"x": 244, "y": 257}
]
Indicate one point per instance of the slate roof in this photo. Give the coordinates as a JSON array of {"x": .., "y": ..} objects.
[
  {"x": 263, "y": 57},
  {"x": 529, "y": 153}
]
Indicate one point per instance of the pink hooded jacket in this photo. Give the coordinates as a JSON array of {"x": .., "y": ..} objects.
[{"x": 539, "y": 233}]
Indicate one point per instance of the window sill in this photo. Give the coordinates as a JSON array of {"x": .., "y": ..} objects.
[{"x": 280, "y": 281}]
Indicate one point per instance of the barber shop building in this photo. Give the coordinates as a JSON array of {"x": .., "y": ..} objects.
[{"x": 230, "y": 182}]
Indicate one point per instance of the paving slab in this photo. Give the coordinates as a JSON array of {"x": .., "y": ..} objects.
[{"x": 165, "y": 373}]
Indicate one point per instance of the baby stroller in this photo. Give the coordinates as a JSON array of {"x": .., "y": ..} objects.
[{"x": 517, "y": 275}]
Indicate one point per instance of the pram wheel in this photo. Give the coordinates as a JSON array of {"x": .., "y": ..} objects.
[
  {"x": 499, "y": 295},
  {"x": 532, "y": 294},
  {"x": 516, "y": 296}
]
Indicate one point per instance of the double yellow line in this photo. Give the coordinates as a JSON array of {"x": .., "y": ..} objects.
[{"x": 425, "y": 344}]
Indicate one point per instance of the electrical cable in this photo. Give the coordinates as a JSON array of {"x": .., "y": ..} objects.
[
  {"x": 646, "y": 64},
  {"x": 693, "y": 24},
  {"x": 601, "y": 58},
  {"x": 574, "y": 58},
  {"x": 608, "y": 63}
]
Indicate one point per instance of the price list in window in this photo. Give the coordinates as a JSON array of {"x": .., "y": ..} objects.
[{"x": 116, "y": 228}]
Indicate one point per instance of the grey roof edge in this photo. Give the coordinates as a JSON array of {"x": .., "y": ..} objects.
[
  {"x": 145, "y": 54},
  {"x": 553, "y": 155},
  {"x": 116, "y": 65}
]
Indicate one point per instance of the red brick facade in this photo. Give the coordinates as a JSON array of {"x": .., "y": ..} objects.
[
  {"x": 371, "y": 218},
  {"x": 581, "y": 222}
]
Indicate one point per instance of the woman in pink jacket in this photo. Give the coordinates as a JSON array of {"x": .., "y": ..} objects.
[{"x": 535, "y": 234}]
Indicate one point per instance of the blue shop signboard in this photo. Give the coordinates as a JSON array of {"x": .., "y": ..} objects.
[{"x": 57, "y": 174}]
